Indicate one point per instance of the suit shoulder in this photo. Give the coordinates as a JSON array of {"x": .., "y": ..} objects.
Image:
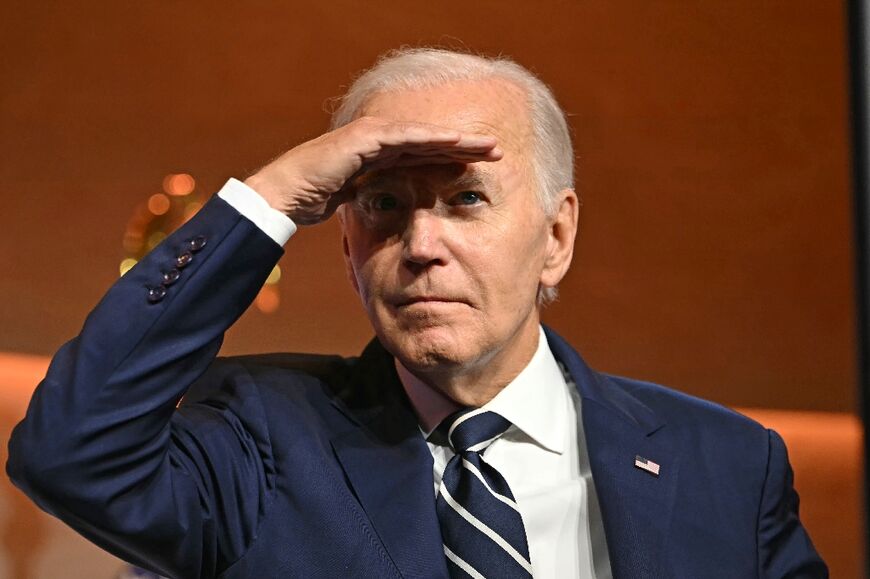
[
  {"x": 315, "y": 365},
  {"x": 650, "y": 403},
  {"x": 681, "y": 409},
  {"x": 704, "y": 429},
  {"x": 292, "y": 371}
]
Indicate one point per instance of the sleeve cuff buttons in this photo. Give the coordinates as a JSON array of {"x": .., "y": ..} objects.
[
  {"x": 157, "y": 293},
  {"x": 196, "y": 243},
  {"x": 171, "y": 276},
  {"x": 183, "y": 260}
]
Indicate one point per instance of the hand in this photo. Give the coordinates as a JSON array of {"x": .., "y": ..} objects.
[{"x": 311, "y": 180}]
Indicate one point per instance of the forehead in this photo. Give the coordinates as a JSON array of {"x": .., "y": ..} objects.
[{"x": 492, "y": 106}]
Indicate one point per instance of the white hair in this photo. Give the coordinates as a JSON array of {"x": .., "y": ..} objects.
[{"x": 552, "y": 158}]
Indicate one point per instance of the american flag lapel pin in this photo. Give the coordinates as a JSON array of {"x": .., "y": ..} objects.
[{"x": 646, "y": 464}]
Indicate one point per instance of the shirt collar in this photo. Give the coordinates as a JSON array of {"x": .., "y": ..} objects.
[{"x": 535, "y": 401}]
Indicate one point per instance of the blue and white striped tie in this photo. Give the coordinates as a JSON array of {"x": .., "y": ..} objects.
[{"x": 481, "y": 525}]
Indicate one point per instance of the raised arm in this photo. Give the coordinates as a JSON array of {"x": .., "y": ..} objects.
[{"x": 103, "y": 446}]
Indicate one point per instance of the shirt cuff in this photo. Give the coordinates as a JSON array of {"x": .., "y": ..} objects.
[{"x": 253, "y": 206}]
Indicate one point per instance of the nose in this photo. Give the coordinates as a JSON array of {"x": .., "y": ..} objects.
[{"x": 423, "y": 240}]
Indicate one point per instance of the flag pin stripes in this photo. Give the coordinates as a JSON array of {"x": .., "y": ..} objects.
[{"x": 647, "y": 465}]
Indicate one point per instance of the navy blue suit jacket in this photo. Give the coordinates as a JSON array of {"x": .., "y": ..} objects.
[{"x": 313, "y": 466}]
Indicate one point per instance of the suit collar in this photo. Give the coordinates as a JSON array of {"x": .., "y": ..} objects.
[
  {"x": 389, "y": 466},
  {"x": 599, "y": 389},
  {"x": 636, "y": 506},
  {"x": 536, "y": 401}
]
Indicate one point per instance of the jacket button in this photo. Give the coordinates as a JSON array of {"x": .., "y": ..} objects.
[
  {"x": 156, "y": 294},
  {"x": 183, "y": 260},
  {"x": 171, "y": 276},
  {"x": 197, "y": 243}
]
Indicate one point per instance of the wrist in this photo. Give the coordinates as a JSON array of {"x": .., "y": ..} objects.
[{"x": 265, "y": 190}]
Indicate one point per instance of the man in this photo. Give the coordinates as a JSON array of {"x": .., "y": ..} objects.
[{"x": 451, "y": 175}]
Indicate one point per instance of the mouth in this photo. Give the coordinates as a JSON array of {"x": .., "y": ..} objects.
[{"x": 410, "y": 301}]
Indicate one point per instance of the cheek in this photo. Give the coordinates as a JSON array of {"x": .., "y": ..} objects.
[
  {"x": 358, "y": 253},
  {"x": 517, "y": 263},
  {"x": 365, "y": 273},
  {"x": 502, "y": 271},
  {"x": 374, "y": 267}
]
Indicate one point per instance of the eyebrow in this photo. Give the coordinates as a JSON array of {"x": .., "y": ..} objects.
[{"x": 473, "y": 179}]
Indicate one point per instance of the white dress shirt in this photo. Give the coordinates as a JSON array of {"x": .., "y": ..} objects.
[{"x": 542, "y": 456}]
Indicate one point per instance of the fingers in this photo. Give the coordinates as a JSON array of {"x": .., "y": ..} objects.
[
  {"x": 312, "y": 179},
  {"x": 415, "y": 161},
  {"x": 388, "y": 139},
  {"x": 388, "y": 155},
  {"x": 404, "y": 133},
  {"x": 411, "y": 159},
  {"x": 428, "y": 136}
]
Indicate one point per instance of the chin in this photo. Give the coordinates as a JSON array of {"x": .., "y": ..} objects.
[{"x": 427, "y": 349}]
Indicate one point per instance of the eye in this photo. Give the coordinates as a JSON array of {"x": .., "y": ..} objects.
[
  {"x": 384, "y": 203},
  {"x": 467, "y": 198}
]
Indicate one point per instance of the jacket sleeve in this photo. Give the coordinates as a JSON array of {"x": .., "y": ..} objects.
[
  {"x": 784, "y": 548},
  {"x": 102, "y": 445}
]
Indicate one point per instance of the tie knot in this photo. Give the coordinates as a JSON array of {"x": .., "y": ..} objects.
[{"x": 473, "y": 429}]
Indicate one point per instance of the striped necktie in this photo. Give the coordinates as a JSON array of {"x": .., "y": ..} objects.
[{"x": 481, "y": 526}]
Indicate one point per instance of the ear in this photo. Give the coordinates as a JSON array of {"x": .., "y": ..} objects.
[
  {"x": 561, "y": 235},
  {"x": 345, "y": 248}
]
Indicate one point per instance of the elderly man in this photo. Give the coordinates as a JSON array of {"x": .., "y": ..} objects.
[{"x": 466, "y": 440}]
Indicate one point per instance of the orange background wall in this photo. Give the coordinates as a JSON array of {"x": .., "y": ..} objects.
[
  {"x": 711, "y": 146},
  {"x": 712, "y": 152}
]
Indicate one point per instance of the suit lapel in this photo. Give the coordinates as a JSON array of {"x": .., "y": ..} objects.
[
  {"x": 636, "y": 506},
  {"x": 389, "y": 467}
]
